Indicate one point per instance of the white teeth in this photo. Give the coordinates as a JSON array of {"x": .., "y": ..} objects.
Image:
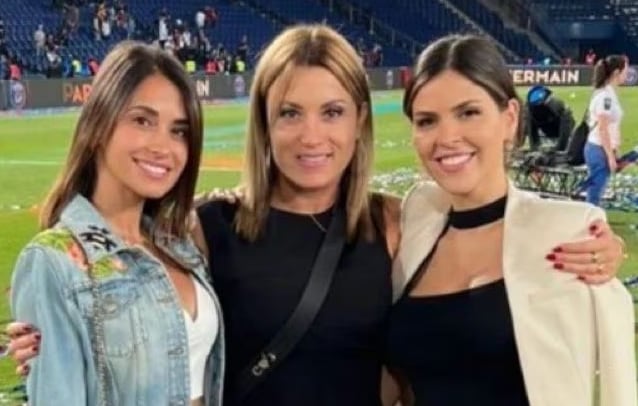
[
  {"x": 153, "y": 170},
  {"x": 456, "y": 159},
  {"x": 313, "y": 158}
]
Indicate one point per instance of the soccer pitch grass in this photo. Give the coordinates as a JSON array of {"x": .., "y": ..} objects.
[{"x": 32, "y": 147}]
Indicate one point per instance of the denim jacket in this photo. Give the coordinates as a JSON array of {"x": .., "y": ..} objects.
[{"x": 143, "y": 346}]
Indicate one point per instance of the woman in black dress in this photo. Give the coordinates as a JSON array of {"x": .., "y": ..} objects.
[{"x": 309, "y": 149}]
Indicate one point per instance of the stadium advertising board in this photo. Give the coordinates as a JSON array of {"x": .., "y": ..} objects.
[
  {"x": 561, "y": 75},
  {"x": 47, "y": 93},
  {"x": 551, "y": 75},
  {"x": 13, "y": 94},
  {"x": 75, "y": 92}
]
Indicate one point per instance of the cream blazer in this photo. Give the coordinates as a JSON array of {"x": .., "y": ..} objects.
[{"x": 565, "y": 330}]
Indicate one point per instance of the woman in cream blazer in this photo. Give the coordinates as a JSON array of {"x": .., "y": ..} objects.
[
  {"x": 480, "y": 317},
  {"x": 565, "y": 330}
]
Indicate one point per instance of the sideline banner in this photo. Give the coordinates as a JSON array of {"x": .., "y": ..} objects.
[
  {"x": 73, "y": 92},
  {"x": 561, "y": 75},
  {"x": 52, "y": 93},
  {"x": 552, "y": 75}
]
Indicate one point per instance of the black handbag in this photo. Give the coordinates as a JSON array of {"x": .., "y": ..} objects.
[{"x": 301, "y": 319}]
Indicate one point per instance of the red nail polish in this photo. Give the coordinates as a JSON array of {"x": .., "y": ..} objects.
[
  {"x": 558, "y": 266},
  {"x": 550, "y": 257},
  {"x": 558, "y": 249}
]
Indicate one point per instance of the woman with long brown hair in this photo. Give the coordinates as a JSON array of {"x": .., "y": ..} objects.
[{"x": 112, "y": 281}]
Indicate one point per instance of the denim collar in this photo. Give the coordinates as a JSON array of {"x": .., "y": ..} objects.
[{"x": 97, "y": 240}]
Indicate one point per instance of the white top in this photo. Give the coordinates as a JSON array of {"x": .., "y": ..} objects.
[
  {"x": 163, "y": 30},
  {"x": 200, "y": 19},
  {"x": 605, "y": 102},
  {"x": 202, "y": 333}
]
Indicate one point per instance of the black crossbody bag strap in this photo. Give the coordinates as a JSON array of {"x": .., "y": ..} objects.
[{"x": 304, "y": 314}]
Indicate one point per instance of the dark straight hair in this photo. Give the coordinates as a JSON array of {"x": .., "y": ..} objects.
[{"x": 473, "y": 57}]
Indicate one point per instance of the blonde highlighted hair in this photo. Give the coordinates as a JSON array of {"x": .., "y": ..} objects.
[{"x": 307, "y": 45}]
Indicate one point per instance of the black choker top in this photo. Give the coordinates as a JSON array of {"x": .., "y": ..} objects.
[{"x": 479, "y": 216}]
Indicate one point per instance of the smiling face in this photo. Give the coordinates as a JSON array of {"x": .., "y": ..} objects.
[
  {"x": 460, "y": 135},
  {"x": 313, "y": 129},
  {"x": 147, "y": 152}
]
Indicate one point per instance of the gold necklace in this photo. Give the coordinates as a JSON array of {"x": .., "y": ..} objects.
[{"x": 317, "y": 223}]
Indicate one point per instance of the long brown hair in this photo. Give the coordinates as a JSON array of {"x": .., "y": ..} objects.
[
  {"x": 307, "y": 45},
  {"x": 124, "y": 68}
]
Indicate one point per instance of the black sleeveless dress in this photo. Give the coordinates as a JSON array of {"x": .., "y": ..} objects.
[
  {"x": 259, "y": 284},
  {"x": 458, "y": 349}
]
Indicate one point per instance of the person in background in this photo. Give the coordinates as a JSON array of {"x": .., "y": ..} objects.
[
  {"x": 240, "y": 65},
  {"x": 76, "y": 65},
  {"x": 15, "y": 71},
  {"x": 94, "y": 66},
  {"x": 39, "y": 40},
  {"x": 605, "y": 115},
  {"x": 200, "y": 20}
]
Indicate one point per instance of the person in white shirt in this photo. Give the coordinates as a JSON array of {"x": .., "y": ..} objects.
[
  {"x": 106, "y": 29},
  {"x": 200, "y": 20},
  {"x": 604, "y": 117},
  {"x": 39, "y": 39},
  {"x": 163, "y": 31}
]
